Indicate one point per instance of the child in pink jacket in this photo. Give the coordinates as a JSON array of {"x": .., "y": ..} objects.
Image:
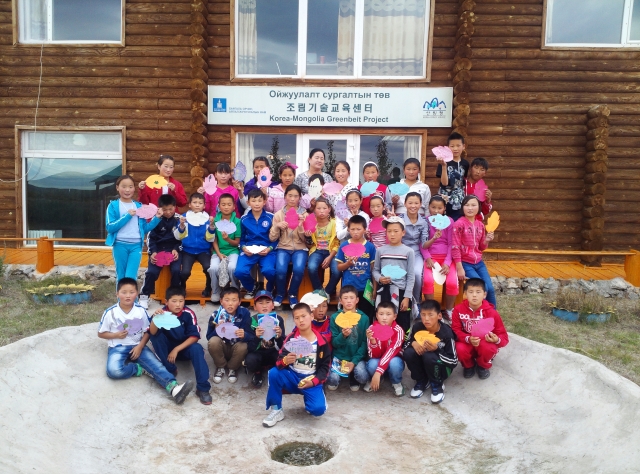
[{"x": 225, "y": 186}]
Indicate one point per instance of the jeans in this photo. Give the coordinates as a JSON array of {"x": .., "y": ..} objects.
[
  {"x": 245, "y": 264},
  {"x": 188, "y": 259},
  {"x": 427, "y": 367},
  {"x": 260, "y": 359},
  {"x": 395, "y": 369},
  {"x": 359, "y": 373},
  {"x": 315, "y": 263},
  {"x": 126, "y": 257},
  {"x": 286, "y": 379},
  {"x": 153, "y": 272},
  {"x": 195, "y": 353},
  {"x": 299, "y": 260},
  {"x": 213, "y": 271},
  {"x": 119, "y": 366},
  {"x": 479, "y": 270}
]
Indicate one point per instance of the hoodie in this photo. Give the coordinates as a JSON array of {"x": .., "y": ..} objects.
[
  {"x": 386, "y": 350},
  {"x": 468, "y": 241},
  {"x": 161, "y": 238},
  {"x": 150, "y": 195},
  {"x": 464, "y": 318}
]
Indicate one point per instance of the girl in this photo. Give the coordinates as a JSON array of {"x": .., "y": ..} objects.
[
  {"x": 469, "y": 241},
  {"x": 342, "y": 172},
  {"x": 259, "y": 162},
  {"x": 412, "y": 179},
  {"x": 370, "y": 172},
  {"x": 225, "y": 186},
  {"x": 149, "y": 195},
  {"x": 416, "y": 234},
  {"x": 275, "y": 195},
  {"x": 316, "y": 163},
  {"x": 323, "y": 246},
  {"x": 292, "y": 247},
  {"x": 354, "y": 202},
  {"x": 379, "y": 238},
  {"x": 438, "y": 249},
  {"x": 125, "y": 231}
]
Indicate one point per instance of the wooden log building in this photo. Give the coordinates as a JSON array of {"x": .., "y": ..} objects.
[{"x": 556, "y": 116}]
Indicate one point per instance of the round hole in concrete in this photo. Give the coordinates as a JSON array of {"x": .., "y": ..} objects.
[{"x": 299, "y": 453}]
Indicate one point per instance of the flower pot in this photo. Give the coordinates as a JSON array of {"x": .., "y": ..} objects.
[
  {"x": 574, "y": 316},
  {"x": 62, "y": 298}
]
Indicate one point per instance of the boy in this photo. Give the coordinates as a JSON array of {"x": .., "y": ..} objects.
[
  {"x": 255, "y": 226},
  {"x": 398, "y": 290},
  {"x": 370, "y": 172},
  {"x": 356, "y": 271},
  {"x": 385, "y": 355},
  {"x": 129, "y": 343},
  {"x": 263, "y": 353},
  {"x": 349, "y": 344},
  {"x": 229, "y": 352},
  {"x": 431, "y": 363},
  {"x": 478, "y": 169},
  {"x": 181, "y": 342},
  {"x": 161, "y": 239},
  {"x": 225, "y": 247},
  {"x": 452, "y": 181},
  {"x": 320, "y": 320},
  {"x": 196, "y": 240},
  {"x": 475, "y": 351},
  {"x": 303, "y": 376}
]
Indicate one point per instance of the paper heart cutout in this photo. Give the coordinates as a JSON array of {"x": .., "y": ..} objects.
[
  {"x": 438, "y": 277},
  {"x": 227, "y": 226},
  {"x": 226, "y": 330},
  {"x": 291, "y": 218},
  {"x": 166, "y": 320},
  {"x": 439, "y": 221},
  {"x": 210, "y": 184},
  {"x": 399, "y": 189},
  {"x": 375, "y": 225},
  {"x": 342, "y": 211},
  {"x": 483, "y": 327},
  {"x": 332, "y": 188},
  {"x": 197, "y": 219},
  {"x": 264, "y": 178},
  {"x": 353, "y": 250},
  {"x": 155, "y": 181},
  {"x": 480, "y": 190},
  {"x": 147, "y": 211},
  {"x": 240, "y": 171},
  {"x": 423, "y": 336},
  {"x": 315, "y": 189},
  {"x": 255, "y": 249},
  {"x": 310, "y": 223},
  {"x": 130, "y": 325},
  {"x": 382, "y": 332},
  {"x": 443, "y": 152},
  {"x": 368, "y": 188},
  {"x": 393, "y": 271},
  {"x": 493, "y": 222},
  {"x": 347, "y": 319},
  {"x": 268, "y": 322},
  {"x": 164, "y": 258},
  {"x": 299, "y": 346}
]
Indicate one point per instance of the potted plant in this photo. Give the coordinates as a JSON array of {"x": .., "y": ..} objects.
[
  {"x": 573, "y": 305},
  {"x": 71, "y": 293}
]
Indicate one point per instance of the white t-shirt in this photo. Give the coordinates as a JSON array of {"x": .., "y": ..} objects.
[
  {"x": 306, "y": 365},
  {"x": 114, "y": 319}
]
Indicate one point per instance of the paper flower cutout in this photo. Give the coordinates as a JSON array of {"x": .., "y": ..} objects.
[
  {"x": 382, "y": 332},
  {"x": 353, "y": 250},
  {"x": 155, "y": 181},
  {"x": 438, "y": 277},
  {"x": 439, "y": 221},
  {"x": 131, "y": 325},
  {"x": 226, "y": 330},
  {"x": 399, "y": 189},
  {"x": 368, "y": 188},
  {"x": 255, "y": 249},
  {"x": 164, "y": 258},
  {"x": 347, "y": 319},
  {"x": 493, "y": 222},
  {"x": 313, "y": 300},
  {"x": 268, "y": 322},
  {"x": 264, "y": 178},
  {"x": 197, "y": 219},
  {"x": 166, "y": 321},
  {"x": 342, "y": 211},
  {"x": 443, "y": 153},
  {"x": 240, "y": 171},
  {"x": 147, "y": 211},
  {"x": 376, "y": 225},
  {"x": 332, "y": 188},
  {"x": 210, "y": 184},
  {"x": 299, "y": 346},
  {"x": 393, "y": 271},
  {"x": 423, "y": 336},
  {"x": 481, "y": 190},
  {"x": 291, "y": 218},
  {"x": 483, "y": 327},
  {"x": 310, "y": 223},
  {"x": 227, "y": 226}
]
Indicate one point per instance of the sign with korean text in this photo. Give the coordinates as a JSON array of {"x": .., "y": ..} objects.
[{"x": 331, "y": 106}]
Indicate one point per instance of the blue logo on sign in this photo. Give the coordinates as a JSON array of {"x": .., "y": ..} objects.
[
  {"x": 219, "y": 105},
  {"x": 434, "y": 104}
]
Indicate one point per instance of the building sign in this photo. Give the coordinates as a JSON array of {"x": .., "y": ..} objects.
[{"x": 331, "y": 106}]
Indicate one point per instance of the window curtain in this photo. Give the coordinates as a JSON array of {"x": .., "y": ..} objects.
[
  {"x": 247, "y": 37},
  {"x": 346, "y": 36},
  {"x": 245, "y": 152},
  {"x": 411, "y": 147},
  {"x": 393, "y": 43},
  {"x": 35, "y": 20}
]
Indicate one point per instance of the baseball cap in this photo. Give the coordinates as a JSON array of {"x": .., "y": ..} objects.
[
  {"x": 263, "y": 294},
  {"x": 392, "y": 220},
  {"x": 322, "y": 293}
]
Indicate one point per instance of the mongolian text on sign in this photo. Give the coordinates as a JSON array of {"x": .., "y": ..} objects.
[{"x": 331, "y": 106}]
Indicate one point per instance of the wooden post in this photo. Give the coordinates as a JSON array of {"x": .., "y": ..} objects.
[
  {"x": 461, "y": 74},
  {"x": 595, "y": 183},
  {"x": 45, "y": 259},
  {"x": 632, "y": 268}
]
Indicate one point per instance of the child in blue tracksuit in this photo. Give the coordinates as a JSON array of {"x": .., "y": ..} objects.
[
  {"x": 125, "y": 231},
  {"x": 196, "y": 233},
  {"x": 255, "y": 226}
]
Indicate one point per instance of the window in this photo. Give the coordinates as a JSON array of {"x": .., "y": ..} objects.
[
  {"x": 250, "y": 145},
  {"x": 593, "y": 23},
  {"x": 70, "y": 21},
  {"x": 377, "y": 39},
  {"x": 69, "y": 180}
]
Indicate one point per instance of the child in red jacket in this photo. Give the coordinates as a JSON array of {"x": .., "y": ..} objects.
[
  {"x": 477, "y": 351},
  {"x": 149, "y": 195},
  {"x": 321, "y": 322}
]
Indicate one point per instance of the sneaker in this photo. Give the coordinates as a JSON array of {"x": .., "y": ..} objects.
[
  {"x": 277, "y": 302},
  {"x": 273, "y": 417},
  {"x": 437, "y": 392},
  {"x": 206, "y": 292},
  {"x": 293, "y": 301},
  {"x": 249, "y": 295},
  {"x": 483, "y": 373},
  {"x": 367, "y": 387},
  {"x": 205, "y": 397},
  {"x": 354, "y": 385},
  {"x": 143, "y": 300},
  {"x": 467, "y": 373},
  {"x": 215, "y": 298},
  {"x": 180, "y": 392},
  {"x": 333, "y": 388},
  {"x": 398, "y": 388},
  {"x": 446, "y": 317},
  {"x": 257, "y": 380},
  {"x": 217, "y": 377},
  {"x": 418, "y": 389},
  {"x": 232, "y": 377}
]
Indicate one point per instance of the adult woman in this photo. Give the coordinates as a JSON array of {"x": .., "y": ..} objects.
[{"x": 316, "y": 163}]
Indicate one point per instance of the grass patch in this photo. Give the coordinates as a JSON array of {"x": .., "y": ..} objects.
[{"x": 615, "y": 344}]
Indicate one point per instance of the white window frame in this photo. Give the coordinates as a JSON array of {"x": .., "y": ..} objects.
[
  {"x": 359, "y": 34},
  {"x": 625, "y": 41},
  {"x": 22, "y": 21}
]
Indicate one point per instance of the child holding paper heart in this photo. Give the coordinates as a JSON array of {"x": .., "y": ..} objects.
[
  {"x": 477, "y": 353},
  {"x": 225, "y": 246},
  {"x": 225, "y": 186},
  {"x": 412, "y": 179},
  {"x": 452, "y": 179},
  {"x": 323, "y": 246},
  {"x": 377, "y": 235},
  {"x": 478, "y": 169},
  {"x": 354, "y": 204},
  {"x": 371, "y": 173},
  {"x": 275, "y": 194},
  {"x": 342, "y": 173},
  {"x": 416, "y": 234},
  {"x": 148, "y": 195}
]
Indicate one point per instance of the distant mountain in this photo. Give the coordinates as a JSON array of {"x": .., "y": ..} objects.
[{"x": 76, "y": 180}]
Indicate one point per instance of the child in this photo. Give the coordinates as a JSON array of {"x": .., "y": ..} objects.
[
  {"x": 469, "y": 241},
  {"x": 275, "y": 199},
  {"x": 412, "y": 179},
  {"x": 148, "y": 195},
  {"x": 476, "y": 351},
  {"x": 299, "y": 375},
  {"x": 349, "y": 344},
  {"x": 438, "y": 249},
  {"x": 161, "y": 239},
  {"x": 291, "y": 248},
  {"x": 320, "y": 320},
  {"x": 377, "y": 208},
  {"x": 196, "y": 241},
  {"x": 181, "y": 342},
  {"x": 129, "y": 345},
  {"x": 225, "y": 186},
  {"x": 431, "y": 363},
  {"x": 416, "y": 234},
  {"x": 229, "y": 352},
  {"x": 370, "y": 172},
  {"x": 342, "y": 172},
  {"x": 452, "y": 181},
  {"x": 478, "y": 169},
  {"x": 384, "y": 355},
  {"x": 255, "y": 226},
  {"x": 225, "y": 247},
  {"x": 398, "y": 290},
  {"x": 125, "y": 231},
  {"x": 323, "y": 246},
  {"x": 263, "y": 353},
  {"x": 354, "y": 203},
  {"x": 356, "y": 271}
]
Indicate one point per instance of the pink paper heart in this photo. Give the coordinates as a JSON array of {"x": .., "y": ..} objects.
[
  {"x": 310, "y": 223},
  {"x": 382, "y": 332},
  {"x": 483, "y": 327},
  {"x": 147, "y": 211},
  {"x": 210, "y": 184},
  {"x": 443, "y": 152},
  {"x": 375, "y": 225},
  {"x": 264, "y": 178},
  {"x": 353, "y": 250},
  {"x": 164, "y": 258},
  {"x": 481, "y": 190},
  {"x": 291, "y": 218}
]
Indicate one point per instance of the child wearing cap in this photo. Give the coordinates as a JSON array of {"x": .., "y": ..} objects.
[{"x": 263, "y": 351}]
